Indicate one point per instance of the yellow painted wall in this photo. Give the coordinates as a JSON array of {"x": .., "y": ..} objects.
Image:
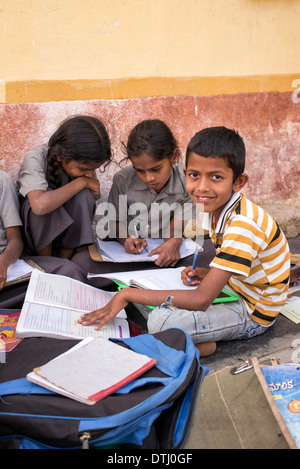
[{"x": 93, "y": 49}]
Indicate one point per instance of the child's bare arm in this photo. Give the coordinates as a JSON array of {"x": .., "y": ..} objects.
[
  {"x": 11, "y": 253},
  {"x": 198, "y": 299},
  {"x": 44, "y": 202}
]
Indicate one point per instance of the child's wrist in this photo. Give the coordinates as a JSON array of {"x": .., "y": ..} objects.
[{"x": 124, "y": 295}]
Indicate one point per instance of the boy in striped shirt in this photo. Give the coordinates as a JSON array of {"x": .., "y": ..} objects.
[{"x": 252, "y": 255}]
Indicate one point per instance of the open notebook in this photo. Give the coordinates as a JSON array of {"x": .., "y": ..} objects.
[
  {"x": 113, "y": 251},
  {"x": 159, "y": 279},
  {"x": 19, "y": 271}
]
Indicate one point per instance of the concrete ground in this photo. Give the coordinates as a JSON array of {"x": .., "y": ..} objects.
[{"x": 280, "y": 341}]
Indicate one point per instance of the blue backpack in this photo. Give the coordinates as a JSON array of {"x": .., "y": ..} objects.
[{"x": 152, "y": 412}]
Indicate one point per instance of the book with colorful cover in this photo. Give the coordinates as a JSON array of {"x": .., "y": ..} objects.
[
  {"x": 8, "y": 324},
  {"x": 284, "y": 384}
]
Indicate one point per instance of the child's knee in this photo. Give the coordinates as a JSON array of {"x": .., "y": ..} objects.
[
  {"x": 163, "y": 318},
  {"x": 158, "y": 319}
]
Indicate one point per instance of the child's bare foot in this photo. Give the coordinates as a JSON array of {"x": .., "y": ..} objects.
[{"x": 206, "y": 348}]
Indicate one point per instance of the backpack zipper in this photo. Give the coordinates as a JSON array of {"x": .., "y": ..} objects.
[{"x": 85, "y": 438}]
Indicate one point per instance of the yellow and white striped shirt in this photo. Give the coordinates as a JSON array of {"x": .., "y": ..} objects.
[{"x": 251, "y": 245}]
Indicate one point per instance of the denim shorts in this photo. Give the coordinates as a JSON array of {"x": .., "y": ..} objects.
[{"x": 221, "y": 321}]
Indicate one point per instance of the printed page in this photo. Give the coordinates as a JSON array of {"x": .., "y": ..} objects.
[
  {"x": 42, "y": 320},
  {"x": 54, "y": 303},
  {"x": 58, "y": 290}
]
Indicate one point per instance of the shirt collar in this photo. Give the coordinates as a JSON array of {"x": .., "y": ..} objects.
[{"x": 206, "y": 224}]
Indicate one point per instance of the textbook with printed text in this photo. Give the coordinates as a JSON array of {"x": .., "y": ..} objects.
[{"x": 54, "y": 303}]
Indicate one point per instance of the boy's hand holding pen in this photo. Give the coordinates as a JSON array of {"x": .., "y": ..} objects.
[{"x": 193, "y": 275}]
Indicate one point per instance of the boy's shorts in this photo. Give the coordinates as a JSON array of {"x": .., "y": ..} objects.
[{"x": 221, "y": 321}]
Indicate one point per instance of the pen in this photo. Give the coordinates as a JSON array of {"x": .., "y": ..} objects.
[
  {"x": 195, "y": 260},
  {"x": 135, "y": 230},
  {"x": 137, "y": 236}
]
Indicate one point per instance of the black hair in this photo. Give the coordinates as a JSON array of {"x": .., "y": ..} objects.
[
  {"x": 222, "y": 143},
  {"x": 153, "y": 137},
  {"x": 80, "y": 138}
]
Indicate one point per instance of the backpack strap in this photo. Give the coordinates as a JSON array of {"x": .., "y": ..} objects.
[
  {"x": 21, "y": 386},
  {"x": 169, "y": 360}
]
